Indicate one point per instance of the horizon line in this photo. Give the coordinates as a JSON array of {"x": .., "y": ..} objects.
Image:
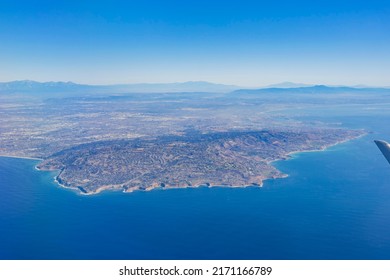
[{"x": 293, "y": 84}]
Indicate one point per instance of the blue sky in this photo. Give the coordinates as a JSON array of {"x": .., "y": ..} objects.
[{"x": 248, "y": 43}]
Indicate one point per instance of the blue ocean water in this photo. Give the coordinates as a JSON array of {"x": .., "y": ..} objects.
[{"x": 334, "y": 205}]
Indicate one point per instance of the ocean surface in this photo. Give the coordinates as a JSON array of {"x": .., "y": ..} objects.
[{"x": 335, "y": 204}]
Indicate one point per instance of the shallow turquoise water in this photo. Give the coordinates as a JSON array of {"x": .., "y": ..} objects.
[{"x": 334, "y": 205}]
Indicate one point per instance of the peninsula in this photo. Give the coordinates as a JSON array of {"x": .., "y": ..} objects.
[
  {"x": 106, "y": 138},
  {"x": 237, "y": 158}
]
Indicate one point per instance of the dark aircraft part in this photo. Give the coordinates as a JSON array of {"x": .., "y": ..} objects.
[{"x": 384, "y": 147}]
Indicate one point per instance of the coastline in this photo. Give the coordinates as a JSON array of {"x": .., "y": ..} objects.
[
  {"x": 120, "y": 187},
  {"x": 130, "y": 190},
  {"x": 289, "y": 155}
]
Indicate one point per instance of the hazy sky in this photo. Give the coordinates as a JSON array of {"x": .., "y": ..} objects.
[{"x": 248, "y": 43}]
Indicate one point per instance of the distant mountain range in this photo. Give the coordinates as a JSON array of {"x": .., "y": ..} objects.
[
  {"x": 33, "y": 86},
  {"x": 27, "y": 86},
  {"x": 300, "y": 85},
  {"x": 317, "y": 89}
]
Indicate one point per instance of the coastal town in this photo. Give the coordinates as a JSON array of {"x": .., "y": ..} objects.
[
  {"x": 217, "y": 159},
  {"x": 136, "y": 141}
]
